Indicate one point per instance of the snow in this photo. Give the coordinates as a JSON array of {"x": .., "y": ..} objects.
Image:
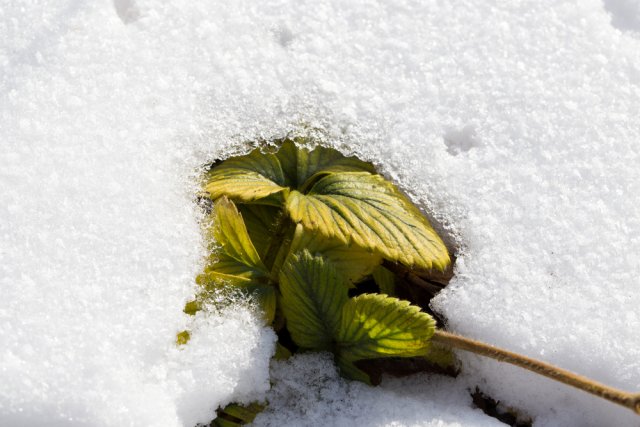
[
  {"x": 308, "y": 391},
  {"x": 514, "y": 124}
]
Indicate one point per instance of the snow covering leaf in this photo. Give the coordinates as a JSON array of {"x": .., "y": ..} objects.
[
  {"x": 266, "y": 298},
  {"x": 385, "y": 280},
  {"x": 371, "y": 212},
  {"x": 263, "y": 294},
  {"x": 226, "y": 270},
  {"x": 375, "y": 325},
  {"x": 231, "y": 233},
  {"x": 353, "y": 262},
  {"x": 313, "y": 294},
  {"x": 247, "y": 178}
]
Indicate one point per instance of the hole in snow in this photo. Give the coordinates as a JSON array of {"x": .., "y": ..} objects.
[
  {"x": 625, "y": 14},
  {"x": 283, "y": 35},
  {"x": 461, "y": 140},
  {"x": 127, "y": 10}
]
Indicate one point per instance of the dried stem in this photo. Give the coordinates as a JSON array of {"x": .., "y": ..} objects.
[{"x": 628, "y": 400}]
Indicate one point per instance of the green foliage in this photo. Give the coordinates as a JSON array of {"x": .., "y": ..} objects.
[
  {"x": 294, "y": 230},
  {"x": 313, "y": 294},
  {"x": 297, "y": 230},
  {"x": 385, "y": 280},
  {"x": 230, "y": 232},
  {"x": 375, "y": 325},
  {"x": 235, "y": 415},
  {"x": 247, "y": 178},
  {"x": 371, "y": 212},
  {"x": 354, "y": 262}
]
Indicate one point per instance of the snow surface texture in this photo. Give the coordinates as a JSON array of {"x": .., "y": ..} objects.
[
  {"x": 314, "y": 394},
  {"x": 515, "y": 124}
]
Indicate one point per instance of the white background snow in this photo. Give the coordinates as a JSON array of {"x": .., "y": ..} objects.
[{"x": 516, "y": 124}]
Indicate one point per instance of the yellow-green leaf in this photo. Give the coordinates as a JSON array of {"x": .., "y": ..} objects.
[
  {"x": 441, "y": 356},
  {"x": 324, "y": 160},
  {"x": 385, "y": 280},
  {"x": 312, "y": 298},
  {"x": 282, "y": 353},
  {"x": 246, "y": 178},
  {"x": 351, "y": 371},
  {"x": 226, "y": 270},
  {"x": 265, "y": 297},
  {"x": 302, "y": 165},
  {"x": 260, "y": 222},
  {"x": 235, "y": 415},
  {"x": 352, "y": 261},
  {"x": 231, "y": 234},
  {"x": 371, "y": 212},
  {"x": 375, "y": 325},
  {"x": 212, "y": 284}
]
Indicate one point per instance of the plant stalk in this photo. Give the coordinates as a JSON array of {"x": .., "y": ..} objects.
[{"x": 628, "y": 400}]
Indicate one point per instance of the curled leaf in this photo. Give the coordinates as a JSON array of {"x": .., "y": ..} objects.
[{"x": 231, "y": 234}]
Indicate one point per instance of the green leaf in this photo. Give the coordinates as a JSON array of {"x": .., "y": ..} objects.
[
  {"x": 288, "y": 157},
  {"x": 282, "y": 352},
  {"x": 385, "y": 280},
  {"x": 221, "y": 422},
  {"x": 247, "y": 178},
  {"x": 371, "y": 212},
  {"x": 351, "y": 371},
  {"x": 441, "y": 356},
  {"x": 260, "y": 222},
  {"x": 302, "y": 166},
  {"x": 226, "y": 270},
  {"x": 353, "y": 262},
  {"x": 312, "y": 298},
  {"x": 265, "y": 297},
  {"x": 234, "y": 415},
  {"x": 323, "y": 160},
  {"x": 231, "y": 233},
  {"x": 375, "y": 325}
]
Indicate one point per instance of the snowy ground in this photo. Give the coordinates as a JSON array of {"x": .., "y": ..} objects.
[{"x": 515, "y": 124}]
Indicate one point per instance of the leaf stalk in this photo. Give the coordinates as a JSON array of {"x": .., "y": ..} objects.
[{"x": 628, "y": 400}]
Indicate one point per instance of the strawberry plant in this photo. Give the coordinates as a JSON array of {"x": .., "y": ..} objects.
[{"x": 300, "y": 230}]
